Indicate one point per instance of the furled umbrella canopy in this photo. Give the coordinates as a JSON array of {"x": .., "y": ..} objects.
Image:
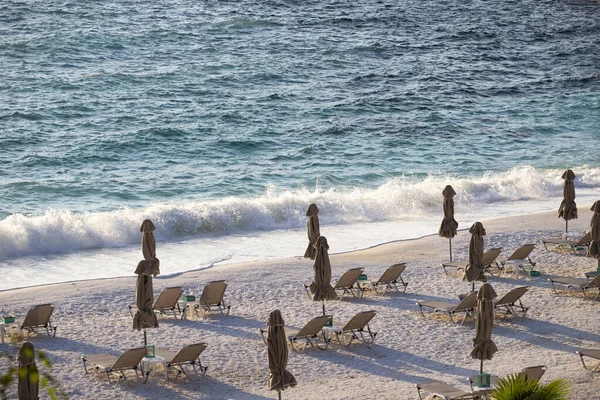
[
  {"x": 568, "y": 208},
  {"x": 146, "y": 269},
  {"x": 449, "y": 225},
  {"x": 475, "y": 267},
  {"x": 594, "y": 249},
  {"x": 29, "y": 377},
  {"x": 321, "y": 288},
  {"x": 279, "y": 378},
  {"x": 483, "y": 346},
  {"x": 312, "y": 227}
]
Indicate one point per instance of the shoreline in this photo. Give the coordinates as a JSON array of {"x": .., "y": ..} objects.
[{"x": 546, "y": 214}]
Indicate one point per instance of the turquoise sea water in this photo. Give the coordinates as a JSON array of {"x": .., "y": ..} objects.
[{"x": 223, "y": 120}]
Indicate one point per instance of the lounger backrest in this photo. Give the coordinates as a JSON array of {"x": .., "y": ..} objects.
[
  {"x": 392, "y": 273},
  {"x": 512, "y": 296},
  {"x": 594, "y": 282},
  {"x": 490, "y": 256},
  {"x": 168, "y": 298},
  {"x": 585, "y": 240},
  {"x": 359, "y": 321},
  {"x": 349, "y": 278},
  {"x": 213, "y": 292},
  {"x": 468, "y": 302},
  {"x": 38, "y": 315},
  {"x": 130, "y": 358},
  {"x": 522, "y": 252},
  {"x": 533, "y": 373},
  {"x": 313, "y": 326},
  {"x": 189, "y": 353}
]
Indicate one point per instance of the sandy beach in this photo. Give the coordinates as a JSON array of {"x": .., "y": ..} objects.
[{"x": 92, "y": 317}]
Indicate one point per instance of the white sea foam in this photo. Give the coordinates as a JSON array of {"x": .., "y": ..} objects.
[{"x": 62, "y": 231}]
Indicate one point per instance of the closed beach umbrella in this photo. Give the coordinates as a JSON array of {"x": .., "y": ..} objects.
[
  {"x": 594, "y": 249},
  {"x": 312, "y": 227},
  {"x": 29, "y": 377},
  {"x": 279, "y": 378},
  {"x": 449, "y": 224},
  {"x": 475, "y": 267},
  {"x": 483, "y": 346},
  {"x": 568, "y": 208},
  {"x": 321, "y": 288},
  {"x": 146, "y": 269}
]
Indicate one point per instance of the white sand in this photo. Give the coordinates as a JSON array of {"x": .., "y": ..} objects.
[{"x": 92, "y": 317}]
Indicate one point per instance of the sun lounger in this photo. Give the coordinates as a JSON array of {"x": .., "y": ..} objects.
[
  {"x": 532, "y": 374},
  {"x": 466, "y": 306},
  {"x": 521, "y": 254},
  {"x": 489, "y": 258},
  {"x": 443, "y": 391},
  {"x": 583, "y": 241},
  {"x": 188, "y": 355},
  {"x": 591, "y": 353},
  {"x": 168, "y": 300},
  {"x": 348, "y": 283},
  {"x": 213, "y": 296},
  {"x": 110, "y": 364},
  {"x": 581, "y": 283},
  {"x": 39, "y": 317},
  {"x": 511, "y": 302},
  {"x": 310, "y": 335},
  {"x": 357, "y": 329},
  {"x": 391, "y": 278}
]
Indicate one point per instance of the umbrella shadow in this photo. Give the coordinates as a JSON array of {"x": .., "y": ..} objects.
[
  {"x": 214, "y": 389},
  {"x": 391, "y": 363},
  {"x": 231, "y": 325},
  {"x": 547, "y": 334}
]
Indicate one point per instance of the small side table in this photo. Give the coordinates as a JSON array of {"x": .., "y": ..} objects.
[
  {"x": 184, "y": 304},
  {"x": 148, "y": 364},
  {"x": 328, "y": 330},
  {"x": 517, "y": 264}
]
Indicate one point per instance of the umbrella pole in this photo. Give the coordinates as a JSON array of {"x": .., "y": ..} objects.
[
  {"x": 450, "y": 243},
  {"x": 323, "y": 307},
  {"x": 279, "y": 394},
  {"x": 566, "y": 228},
  {"x": 472, "y": 289},
  {"x": 145, "y": 339},
  {"x": 481, "y": 368}
]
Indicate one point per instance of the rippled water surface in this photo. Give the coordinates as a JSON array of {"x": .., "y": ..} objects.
[{"x": 111, "y": 104}]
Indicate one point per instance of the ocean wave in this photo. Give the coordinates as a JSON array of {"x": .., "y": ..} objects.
[{"x": 61, "y": 231}]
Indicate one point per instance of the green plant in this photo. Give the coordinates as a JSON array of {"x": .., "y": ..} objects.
[
  {"x": 517, "y": 387},
  {"x": 9, "y": 377}
]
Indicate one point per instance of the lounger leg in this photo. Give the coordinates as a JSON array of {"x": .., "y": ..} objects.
[
  {"x": 445, "y": 272},
  {"x": 84, "y": 366},
  {"x": 421, "y": 310},
  {"x": 554, "y": 287}
]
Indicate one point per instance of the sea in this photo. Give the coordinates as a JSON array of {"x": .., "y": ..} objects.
[{"x": 221, "y": 121}]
